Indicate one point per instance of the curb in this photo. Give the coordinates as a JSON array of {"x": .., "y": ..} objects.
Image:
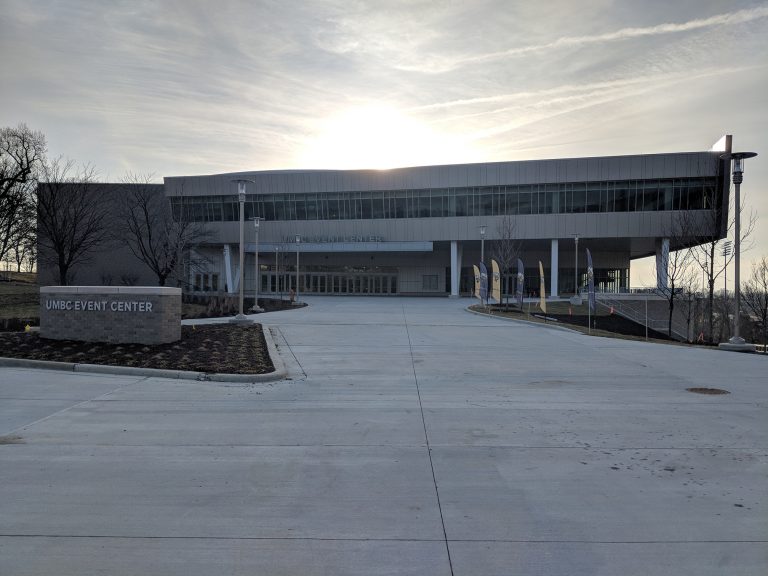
[
  {"x": 529, "y": 323},
  {"x": 278, "y": 374}
]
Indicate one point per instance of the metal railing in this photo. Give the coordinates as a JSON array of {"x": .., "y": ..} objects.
[{"x": 635, "y": 310}]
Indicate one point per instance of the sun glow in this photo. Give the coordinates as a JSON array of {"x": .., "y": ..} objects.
[{"x": 379, "y": 137}]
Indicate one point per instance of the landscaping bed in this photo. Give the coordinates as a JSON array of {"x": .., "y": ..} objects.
[
  {"x": 575, "y": 318},
  {"x": 209, "y": 348}
]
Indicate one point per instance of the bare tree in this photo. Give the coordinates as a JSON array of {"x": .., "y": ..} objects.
[
  {"x": 677, "y": 263},
  {"x": 30, "y": 253},
  {"x": 23, "y": 235},
  {"x": 150, "y": 230},
  {"x": 73, "y": 217},
  {"x": 506, "y": 248},
  {"x": 22, "y": 152},
  {"x": 706, "y": 244},
  {"x": 688, "y": 299},
  {"x": 755, "y": 296}
]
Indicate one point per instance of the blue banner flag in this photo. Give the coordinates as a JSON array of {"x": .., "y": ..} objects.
[
  {"x": 591, "y": 281},
  {"x": 483, "y": 282},
  {"x": 520, "y": 282}
]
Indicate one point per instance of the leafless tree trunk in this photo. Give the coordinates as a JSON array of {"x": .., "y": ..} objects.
[
  {"x": 687, "y": 297},
  {"x": 678, "y": 265},
  {"x": 150, "y": 230},
  {"x": 754, "y": 295},
  {"x": 73, "y": 217},
  {"x": 506, "y": 248}
]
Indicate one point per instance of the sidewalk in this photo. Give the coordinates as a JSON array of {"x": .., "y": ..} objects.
[{"x": 412, "y": 438}]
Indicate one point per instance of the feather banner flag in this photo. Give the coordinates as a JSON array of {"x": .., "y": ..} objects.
[
  {"x": 591, "y": 281},
  {"x": 520, "y": 282},
  {"x": 477, "y": 281},
  {"x": 542, "y": 289},
  {"x": 496, "y": 282},
  {"x": 483, "y": 282}
]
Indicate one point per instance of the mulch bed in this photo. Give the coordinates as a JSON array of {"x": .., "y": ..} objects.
[
  {"x": 603, "y": 324},
  {"x": 210, "y": 348}
]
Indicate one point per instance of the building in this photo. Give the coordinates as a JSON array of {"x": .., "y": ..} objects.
[{"x": 418, "y": 230}]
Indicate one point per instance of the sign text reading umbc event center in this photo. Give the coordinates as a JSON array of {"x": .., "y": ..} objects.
[{"x": 99, "y": 306}]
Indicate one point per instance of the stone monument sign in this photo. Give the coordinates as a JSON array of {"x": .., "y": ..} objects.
[{"x": 114, "y": 314}]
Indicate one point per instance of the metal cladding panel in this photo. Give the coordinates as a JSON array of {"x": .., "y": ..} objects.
[
  {"x": 594, "y": 169},
  {"x": 492, "y": 175},
  {"x": 527, "y": 173},
  {"x": 679, "y": 165}
]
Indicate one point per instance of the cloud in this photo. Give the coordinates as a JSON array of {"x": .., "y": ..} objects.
[{"x": 433, "y": 64}]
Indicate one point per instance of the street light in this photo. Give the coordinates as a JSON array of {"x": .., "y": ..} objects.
[
  {"x": 737, "y": 342},
  {"x": 298, "y": 241},
  {"x": 278, "y": 288},
  {"x": 576, "y": 265},
  {"x": 482, "y": 243},
  {"x": 257, "y": 284},
  {"x": 726, "y": 252},
  {"x": 241, "y": 318}
]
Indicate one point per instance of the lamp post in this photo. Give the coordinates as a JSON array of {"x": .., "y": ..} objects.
[
  {"x": 736, "y": 342},
  {"x": 482, "y": 243},
  {"x": 277, "y": 273},
  {"x": 241, "y": 318},
  {"x": 257, "y": 284},
  {"x": 576, "y": 265},
  {"x": 726, "y": 252},
  {"x": 298, "y": 241}
]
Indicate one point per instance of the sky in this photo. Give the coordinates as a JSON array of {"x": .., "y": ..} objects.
[{"x": 185, "y": 87}]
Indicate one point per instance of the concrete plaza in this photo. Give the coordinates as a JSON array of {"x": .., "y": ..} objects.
[{"x": 412, "y": 438}]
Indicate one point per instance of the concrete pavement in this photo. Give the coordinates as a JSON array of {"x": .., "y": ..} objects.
[{"x": 412, "y": 438}]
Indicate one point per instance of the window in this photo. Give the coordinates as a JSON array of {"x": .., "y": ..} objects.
[
  {"x": 429, "y": 282},
  {"x": 206, "y": 283},
  {"x": 565, "y": 198}
]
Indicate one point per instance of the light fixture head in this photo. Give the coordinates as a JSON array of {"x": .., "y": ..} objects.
[
  {"x": 738, "y": 160},
  {"x": 241, "y": 182},
  {"x": 482, "y": 229}
]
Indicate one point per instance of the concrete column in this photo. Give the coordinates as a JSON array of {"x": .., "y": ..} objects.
[
  {"x": 553, "y": 269},
  {"x": 455, "y": 268},
  {"x": 662, "y": 263},
  {"x": 228, "y": 269}
]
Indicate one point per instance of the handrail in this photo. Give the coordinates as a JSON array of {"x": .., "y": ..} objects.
[{"x": 625, "y": 309}]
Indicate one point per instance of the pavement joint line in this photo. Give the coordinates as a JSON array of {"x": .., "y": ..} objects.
[
  {"x": 319, "y": 539},
  {"x": 74, "y": 406},
  {"x": 426, "y": 437},
  {"x": 229, "y": 445},
  {"x": 418, "y": 446},
  {"x": 224, "y": 538},
  {"x": 290, "y": 349}
]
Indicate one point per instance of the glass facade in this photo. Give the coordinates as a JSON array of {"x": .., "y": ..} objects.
[{"x": 568, "y": 198}]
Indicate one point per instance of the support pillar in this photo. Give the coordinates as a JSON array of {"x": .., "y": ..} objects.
[
  {"x": 455, "y": 268},
  {"x": 662, "y": 263},
  {"x": 553, "y": 272},
  {"x": 228, "y": 269}
]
